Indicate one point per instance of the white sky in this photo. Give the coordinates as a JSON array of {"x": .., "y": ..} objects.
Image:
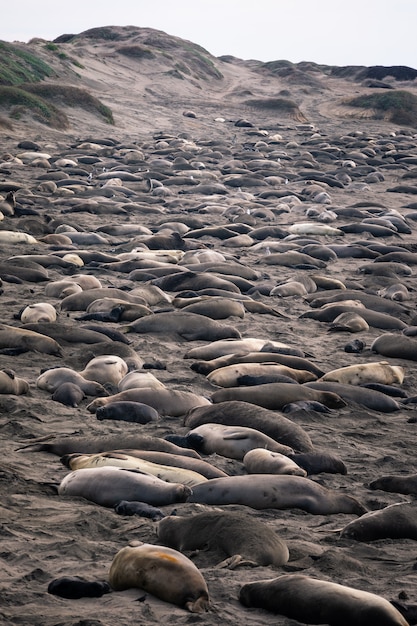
[{"x": 332, "y": 32}]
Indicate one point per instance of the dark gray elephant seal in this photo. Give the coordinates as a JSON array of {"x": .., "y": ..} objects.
[
  {"x": 270, "y": 491},
  {"x": 106, "y": 486},
  {"x": 189, "y": 326},
  {"x": 163, "y": 572},
  {"x": 75, "y": 587},
  {"x": 274, "y": 396},
  {"x": 361, "y": 395},
  {"x": 313, "y": 601},
  {"x": 396, "y": 484},
  {"x": 134, "y": 507},
  {"x": 232, "y": 442},
  {"x": 127, "y": 411},
  {"x": 234, "y": 534},
  {"x": 397, "y": 521},
  {"x": 235, "y": 413},
  {"x": 397, "y": 346},
  {"x": 165, "y": 401},
  {"x": 69, "y": 394}
]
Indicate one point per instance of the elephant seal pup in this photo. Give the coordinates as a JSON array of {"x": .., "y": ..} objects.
[
  {"x": 75, "y": 587},
  {"x": 53, "y": 378},
  {"x": 235, "y": 413},
  {"x": 232, "y": 442},
  {"x": 101, "y": 443},
  {"x": 105, "y": 369},
  {"x": 11, "y": 384},
  {"x": 189, "y": 326},
  {"x": 397, "y": 521},
  {"x": 263, "y": 461},
  {"x": 271, "y": 491},
  {"x": 274, "y": 396},
  {"x": 229, "y": 375},
  {"x": 106, "y": 486},
  {"x": 25, "y": 340},
  {"x": 319, "y": 462},
  {"x": 397, "y": 346},
  {"x": 119, "y": 459},
  {"x": 124, "y": 507},
  {"x": 163, "y": 572},
  {"x": 312, "y": 601},
  {"x": 396, "y": 484},
  {"x": 69, "y": 394},
  {"x": 165, "y": 401},
  {"x": 136, "y": 412},
  {"x": 361, "y": 395},
  {"x": 360, "y": 374},
  {"x": 38, "y": 312},
  {"x": 241, "y": 537}
]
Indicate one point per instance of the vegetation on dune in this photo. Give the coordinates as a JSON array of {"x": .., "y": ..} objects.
[
  {"x": 397, "y": 106},
  {"x": 21, "y": 102},
  {"x": 68, "y": 95},
  {"x": 278, "y": 105},
  {"x": 21, "y": 66},
  {"x": 136, "y": 52}
]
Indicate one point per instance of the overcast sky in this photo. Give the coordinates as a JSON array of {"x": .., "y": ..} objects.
[{"x": 332, "y": 32}]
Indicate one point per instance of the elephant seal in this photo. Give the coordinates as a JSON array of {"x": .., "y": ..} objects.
[
  {"x": 69, "y": 394},
  {"x": 396, "y": 484},
  {"x": 105, "y": 369},
  {"x": 189, "y": 326},
  {"x": 163, "y": 572},
  {"x": 25, "y": 340},
  {"x": 119, "y": 459},
  {"x": 136, "y": 412},
  {"x": 319, "y": 462},
  {"x": 93, "y": 444},
  {"x": 359, "y": 374},
  {"x": 11, "y": 384},
  {"x": 175, "y": 460},
  {"x": 38, "y": 312},
  {"x": 165, "y": 401},
  {"x": 229, "y": 375},
  {"x": 263, "y": 461},
  {"x": 235, "y": 413},
  {"x": 313, "y": 601},
  {"x": 106, "y": 486},
  {"x": 349, "y": 322},
  {"x": 271, "y": 491},
  {"x": 139, "y": 380},
  {"x": 274, "y": 396},
  {"x": 232, "y": 442},
  {"x": 375, "y": 319},
  {"x": 53, "y": 378},
  {"x": 219, "y": 348},
  {"x": 241, "y": 537},
  {"x": 124, "y": 507},
  {"x": 216, "y": 308},
  {"x": 80, "y": 301},
  {"x": 75, "y": 587},
  {"x": 397, "y": 346},
  {"x": 361, "y": 395},
  {"x": 397, "y": 521},
  {"x": 66, "y": 333}
]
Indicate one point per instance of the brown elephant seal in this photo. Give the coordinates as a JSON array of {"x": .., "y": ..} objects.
[
  {"x": 53, "y": 378},
  {"x": 38, "y": 312},
  {"x": 165, "y": 401},
  {"x": 396, "y": 484},
  {"x": 106, "y": 486},
  {"x": 80, "y": 301},
  {"x": 232, "y": 442},
  {"x": 189, "y": 326},
  {"x": 169, "y": 474},
  {"x": 163, "y": 572},
  {"x": 319, "y": 462},
  {"x": 121, "y": 310},
  {"x": 136, "y": 412},
  {"x": 271, "y": 491},
  {"x": 10, "y": 383},
  {"x": 375, "y": 319},
  {"x": 101, "y": 443},
  {"x": 397, "y": 346},
  {"x": 263, "y": 461},
  {"x": 105, "y": 369},
  {"x": 235, "y": 413},
  {"x": 62, "y": 288},
  {"x": 362, "y": 373},
  {"x": 66, "y": 333},
  {"x": 349, "y": 322},
  {"x": 274, "y": 396},
  {"x": 312, "y": 601},
  {"x": 361, "y": 395},
  {"x": 397, "y": 521},
  {"x": 229, "y": 375},
  {"x": 25, "y": 340},
  {"x": 75, "y": 587},
  {"x": 216, "y": 308},
  {"x": 241, "y": 537},
  {"x": 69, "y": 394}
]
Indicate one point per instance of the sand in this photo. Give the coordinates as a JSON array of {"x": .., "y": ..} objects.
[{"x": 45, "y": 536}]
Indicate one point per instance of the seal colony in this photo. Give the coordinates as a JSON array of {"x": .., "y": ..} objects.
[{"x": 199, "y": 284}]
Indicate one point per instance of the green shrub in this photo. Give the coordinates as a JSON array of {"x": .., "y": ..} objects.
[
  {"x": 397, "y": 106},
  {"x": 22, "y": 102},
  {"x": 19, "y": 66}
]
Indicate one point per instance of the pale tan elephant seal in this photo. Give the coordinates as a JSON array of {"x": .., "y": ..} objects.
[
  {"x": 11, "y": 384},
  {"x": 263, "y": 461}
]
